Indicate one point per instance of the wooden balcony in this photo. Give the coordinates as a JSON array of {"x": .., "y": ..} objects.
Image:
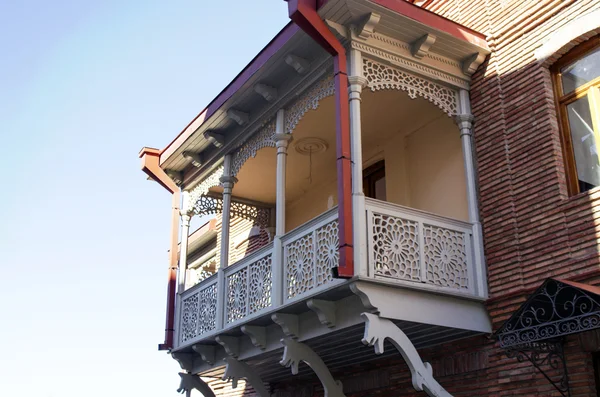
[{"x": 429, "y": 256}]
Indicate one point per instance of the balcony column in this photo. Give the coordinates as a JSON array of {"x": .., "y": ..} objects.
[
  {"x": 227, "y": 181},
  {"x": 357, "y": 82},
  {"x": 282, "y": 141},
  {"x": 464, "y": 120},
  {"x": 186, "y": 215}
]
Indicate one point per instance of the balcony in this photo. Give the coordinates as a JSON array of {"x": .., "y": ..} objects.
[{"x": 407, "y": 248}]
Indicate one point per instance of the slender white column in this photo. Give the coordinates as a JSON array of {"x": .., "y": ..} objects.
[
  {"x": 227, "y": 180},
  {"x": 465, "y": 124},
  {"x": 282, "y": 141},
  {"x": 357, "y": 82},
  {"x": 186, "y": 216}
]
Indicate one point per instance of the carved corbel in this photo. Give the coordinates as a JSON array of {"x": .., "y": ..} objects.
[
  {"x": 472, "y": 62},
  {"x": 236, "y": 370},
  {"x": 217, "y": 139},
  {"x": 289, "y": 324},
  {"x": 258, "y": 335},
  {"x": 238, "y": 116},
  {"x": 231, "y": 344},
  {"x": 300, "y": 65},
  {"x": 206, "y": 352},
  {"x": 176, "y": 176},
  {"x": 367, "y": 27},
  {"x": 185, "y": 360},
  {"x": 195, "y": 158},
  {"x": 294, "y": 352},
  {"x": 190, "y": 382},
  {"x": 364, "y": 298},
  {"x": 377, "y": 330},
  {"x": 339, "y": 29},
  {"x": 325, "y": 310},
  {"x": 420, "y": 47},
  {"x": 267, "y": 92}
]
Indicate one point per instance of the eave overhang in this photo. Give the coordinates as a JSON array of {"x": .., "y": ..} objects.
[{"x": 400, "y": 20}]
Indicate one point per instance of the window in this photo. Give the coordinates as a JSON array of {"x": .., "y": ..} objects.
[
  {"x": 577, "y": 90},
  {"x": 374, "y": 181}
]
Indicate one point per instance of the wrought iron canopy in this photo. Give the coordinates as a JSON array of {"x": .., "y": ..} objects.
[{"x": 557, "y": 308}]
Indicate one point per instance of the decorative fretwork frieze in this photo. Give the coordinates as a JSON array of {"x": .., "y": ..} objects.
[
  {"x": 309, "y": 100},
  {"x": 265, "y": 137},
  {"x": 203, "y": 187},
  {"x": 380, "y": 77},
  {"x": 209, "y": 205}
]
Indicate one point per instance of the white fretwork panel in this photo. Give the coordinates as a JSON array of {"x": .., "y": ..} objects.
[
  {"x": 198, "y": 313},
  {"x": 445, "y": 256},
  {"x": 308, "y": 260},
  {"x": 208, "y": 205},
  {"x": 261, "y": 285},
  {"x": 396, "y": 247},
  {"x": 214, "y": 179},
  {"x": 237, "y": 295},
  {"x": 381, "y": 76},
  {"x": 309, "y": 100},
  {"x": 265, "y": 137},
  {"x": 327, "y": 252}
]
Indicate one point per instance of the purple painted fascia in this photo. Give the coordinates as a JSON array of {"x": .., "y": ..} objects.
[{"x": 254, "y": 66}]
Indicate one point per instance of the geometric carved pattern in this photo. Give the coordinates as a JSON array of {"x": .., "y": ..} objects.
[
  {"x": 381, "y": 77},
  {"x": 308, "y": 260},
  {"x": 327, "y": 252},
  {"x": 206, "y": 205},
  {"x": 264, "y": 138},
  {"x": 445, "y": 257},
  {"x": 211, "y": 181},
  {"x": 309, "y": 100},
  {"x": 261, "y": 284},
  {"x": 396, "y": 247},
  {"x": 237, "y": 295},
  {"x": 249, "y": 289},
  {"x": 198, "y": 313}
]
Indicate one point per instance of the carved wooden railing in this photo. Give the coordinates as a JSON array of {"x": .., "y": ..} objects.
[
  {"x": 411, "y": 246},
  {"x": 197, "y": 311}
]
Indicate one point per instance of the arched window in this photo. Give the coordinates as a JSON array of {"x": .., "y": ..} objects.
[{"x": 576, "y": 78}]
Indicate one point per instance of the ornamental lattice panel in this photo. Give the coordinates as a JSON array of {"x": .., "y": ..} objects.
[
  {"x": 263, "y": 138},
  {"x": 308, "y": 260},
  {"x": 237, "y": 295},
  {"x": 309, "y": 100},
  {"x": 198, "y": 313},
  {"x": 396, "y": 247},
  {"x": 380, "y": 77},
  {"x": 445, "y": 257},
  {"x": 261, "y": 285}
]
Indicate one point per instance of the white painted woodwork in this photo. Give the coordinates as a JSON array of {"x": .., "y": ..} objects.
[
  {"x": 190, "y": 382},
  {"x": 325, "y": 310},
  {"x": 195, "y": 158},
  {"x": 216, "y": 138},
  {"x": 236, "y": 370},
  {"x": 231, "y": 344},
  {"x": 206, "y": 352},
  {"x": 300, "y": 65},
  {"x": 465, "y": 124},
  {"x": 367, "y": 27},
  {"x": 186, "y": 216},
  {"x": 267, "y": 92},
  {"x": 357, "y": 83},
  {"x": 238, "y": 116},
  {"x": 420, "y": 47},
  {"x": 294, "y": 352},
  {"x": 258, "y": 335},
  {"x": 289, "y": 324},
  {"x": 378, "y": 330}
]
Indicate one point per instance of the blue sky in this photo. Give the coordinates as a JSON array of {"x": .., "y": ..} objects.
[{"x": 83, "y": 235}]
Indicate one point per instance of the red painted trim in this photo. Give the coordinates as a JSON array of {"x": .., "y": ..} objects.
[
  {"x": 304, "y": 14},
  {"x": 150, "y": 160},
  {"x": 255, "y": 64}
]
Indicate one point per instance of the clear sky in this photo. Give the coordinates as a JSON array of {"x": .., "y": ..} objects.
[{"x": 83, "y": 235}]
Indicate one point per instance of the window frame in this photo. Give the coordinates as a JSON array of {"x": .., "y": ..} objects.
[
  {"x": 372, "y": 174},
  {"x": 562, "y": 100}
]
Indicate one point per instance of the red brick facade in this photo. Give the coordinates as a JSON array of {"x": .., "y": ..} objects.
[{"x": 533, "y": 229}]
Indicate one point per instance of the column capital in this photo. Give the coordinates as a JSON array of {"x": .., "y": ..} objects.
[
  {"x": 228, "y": 180},
  {"x": 464, "y": 121},
  {"x": 357, "y": 83},
  {"x": 186, "y": 216},
  {"x": 282, "y": 139}
]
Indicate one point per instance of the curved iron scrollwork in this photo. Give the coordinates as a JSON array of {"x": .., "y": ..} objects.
[
  {"x": 556, "y": 309},
  {"x": 546, "y": 357}
]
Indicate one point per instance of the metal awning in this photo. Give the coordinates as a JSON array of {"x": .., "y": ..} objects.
[{"x": 535, "y": 332}]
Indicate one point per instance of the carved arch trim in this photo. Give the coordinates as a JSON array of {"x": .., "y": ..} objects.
[
  {"x": 308, "y": 101},
  {"x": 381, "y": 77},
  {"x": 209, "y": 205},
  {"x": 294, "y": 352},
  {"x": 214, "y": 179},
  {"x": 265, "y": 137},
  {"x": 377, "y": 330}
]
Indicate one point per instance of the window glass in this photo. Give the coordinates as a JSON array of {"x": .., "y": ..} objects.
[
  {"x": 581, "y": 72},
  {"x": 380, "y": 191},
  {"x": 585, "y": 146}
]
